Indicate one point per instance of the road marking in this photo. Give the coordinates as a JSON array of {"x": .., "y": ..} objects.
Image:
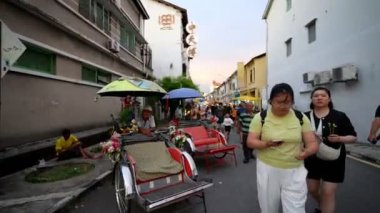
[{"x": 365, "y": 162}]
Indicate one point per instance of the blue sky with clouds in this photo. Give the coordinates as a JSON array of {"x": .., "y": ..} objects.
[{"x": 228, "y": 32}]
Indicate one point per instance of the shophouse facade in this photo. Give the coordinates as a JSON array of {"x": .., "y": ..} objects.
[
  {"x": 74, "y": 47},
  {"x": 327, "y": 43},
  {"x": 232, "y": 90},
  {"x": 252, "y": 78}
]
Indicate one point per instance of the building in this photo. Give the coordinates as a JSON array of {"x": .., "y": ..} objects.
[
  {"x": 328, "y": 43},
  {"x": 166, "y": 33},
  {"x": 212, "y": 95},
  {"x": 252, "y": 78},
  {"x": 74, "y": 47},
  {"x": 232, "y": 90}
]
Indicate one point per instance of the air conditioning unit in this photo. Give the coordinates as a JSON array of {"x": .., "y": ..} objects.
[
  {"x": 322, "y": 78},
  {"x": 308, "y": 77},
  {"x": 345, "y": 73},
  {"x": 113, "y": 46}
]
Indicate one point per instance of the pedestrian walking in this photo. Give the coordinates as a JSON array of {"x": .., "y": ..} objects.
[
  {"x": 277, "y": 135},
  {"x": 245, "y": 118},
  {"x": 374, "y": 136},
  {"x": 326, "y": 169},
  {"x": 227, "y": 123}
]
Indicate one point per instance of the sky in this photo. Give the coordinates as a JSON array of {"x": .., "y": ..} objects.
[{"x": 227, "y": 32}]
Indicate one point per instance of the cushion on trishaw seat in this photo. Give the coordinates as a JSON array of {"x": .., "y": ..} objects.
[
  {"x": 153, "y": 160},
  {"x": 200, "y": 136}
]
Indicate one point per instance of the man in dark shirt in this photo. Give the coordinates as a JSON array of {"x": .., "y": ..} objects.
[{"x": 373, "y": 137}]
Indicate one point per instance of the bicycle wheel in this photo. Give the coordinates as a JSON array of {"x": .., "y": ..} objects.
[{"x": 123, "y": 203}]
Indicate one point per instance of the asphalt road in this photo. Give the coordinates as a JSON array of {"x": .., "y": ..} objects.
[{"x": 234, "y": 190}]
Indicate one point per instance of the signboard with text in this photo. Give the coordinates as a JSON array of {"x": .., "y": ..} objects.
[
  {"x": 11, "y": 48},
  {"x": 166, "y": 21}
]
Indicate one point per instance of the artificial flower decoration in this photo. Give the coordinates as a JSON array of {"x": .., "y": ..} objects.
[{"x": 112, "y": 149}]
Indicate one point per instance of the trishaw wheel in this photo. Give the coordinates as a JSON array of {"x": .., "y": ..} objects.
[
  {"x": 220, "y": 155},
  {"x": 123, "y": 203}
]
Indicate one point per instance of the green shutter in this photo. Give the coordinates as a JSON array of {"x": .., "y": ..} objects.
[
  {"x": 99, "y": 15},
  {"x": 103, "y": 77},
  {"x": 88, "y": 74},
  {"x": 132, "y": 43},
  {"x": 123, "y": 36},
  {"x": 107, "y": 22},
  {"x": 37, "y": 59},
  {"x": 84, "y": 8}
]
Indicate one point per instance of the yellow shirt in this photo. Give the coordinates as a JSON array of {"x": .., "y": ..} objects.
[
  {"x": 62, "y": 144},
  {"x": 287, "y": 129}
]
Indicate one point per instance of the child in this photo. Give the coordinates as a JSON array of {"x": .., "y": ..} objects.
[{"x": 227, "y": 123}]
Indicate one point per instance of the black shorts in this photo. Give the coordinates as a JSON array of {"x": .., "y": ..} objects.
[
  {"x": 227, "y": 128},
  {"x": 330, "y": 171}
]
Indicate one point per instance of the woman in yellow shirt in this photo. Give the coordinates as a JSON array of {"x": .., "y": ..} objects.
[{"x": 281, "y": 175}]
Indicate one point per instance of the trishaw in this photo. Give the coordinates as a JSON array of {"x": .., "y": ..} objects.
[
  {"x": 205, "y": 141},
  {"x": 149, "y": 170},
  {"x": 135, "y": 179}
]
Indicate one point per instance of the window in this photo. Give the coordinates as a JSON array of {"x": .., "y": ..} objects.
[
  {"x": 37, "y": 59},
  {"x": 95, "y": 75},
  {"x": 253, "y": 75},
  {"x": 288, "y": 44},
  {"x": 288, "y": 5},
  {"x": 96, "y": 13},
  {"x": 311, "y": 31},
  {"x": 127, "y": 38},
  {"x": 250, "y": 76}
]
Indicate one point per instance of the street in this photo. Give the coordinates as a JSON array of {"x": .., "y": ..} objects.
[{"x": 234, "y": 190}]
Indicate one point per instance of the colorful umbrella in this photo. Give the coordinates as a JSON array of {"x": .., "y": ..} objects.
[
  {"x": 182, "y": 93},
  {"x": 146, "y": 84},
  {"x": 124, "y": 87}
]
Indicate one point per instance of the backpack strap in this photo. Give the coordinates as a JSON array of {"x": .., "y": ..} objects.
[
  {"x": 263, "y": 114},
  {"x": 298, "y": 114}
]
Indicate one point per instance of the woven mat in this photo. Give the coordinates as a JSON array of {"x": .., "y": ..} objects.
[{"x": 153, "y": 160}]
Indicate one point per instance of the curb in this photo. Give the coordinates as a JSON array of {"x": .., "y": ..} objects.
[
  {"x": 63, "y": 202},
  {"x": 363, "y": 157}
]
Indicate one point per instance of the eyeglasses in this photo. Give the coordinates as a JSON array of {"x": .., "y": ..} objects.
[{"x": 282, "y": 103}]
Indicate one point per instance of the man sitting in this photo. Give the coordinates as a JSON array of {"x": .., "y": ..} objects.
[
  {"x": 146, "y": 124},
  {"x": 67, "y": 146}
]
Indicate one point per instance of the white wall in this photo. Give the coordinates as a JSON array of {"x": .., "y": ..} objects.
[
  {"x": 348, "y": 31},
  {"x": 167, "y": 46}
]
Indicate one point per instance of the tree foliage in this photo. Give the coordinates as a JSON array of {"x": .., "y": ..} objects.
[{"x": 170, "y": 83}]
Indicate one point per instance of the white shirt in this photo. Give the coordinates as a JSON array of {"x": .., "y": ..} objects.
[
  {"x": 147, "y": 124},
  {"x": 228, "y": 122}
]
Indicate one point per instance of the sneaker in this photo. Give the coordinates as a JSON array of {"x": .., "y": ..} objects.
[
  {"x": 245, "y": 160},
  {"x": 253, "y": 157},
  {"x": 316, "y": 210}
]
